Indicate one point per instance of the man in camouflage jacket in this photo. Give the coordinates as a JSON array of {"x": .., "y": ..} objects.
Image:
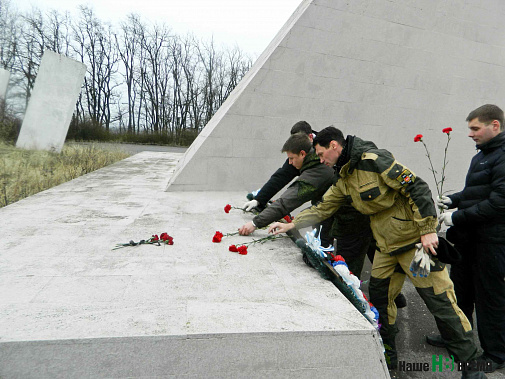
[{"x": 402, "y": 213}]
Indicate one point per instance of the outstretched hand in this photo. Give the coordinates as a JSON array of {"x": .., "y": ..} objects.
[
  {"x": 280, "y": 227},
  {"x": 247, "y": 229}
]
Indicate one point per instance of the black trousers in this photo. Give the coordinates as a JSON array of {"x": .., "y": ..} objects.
[
  {"x": 479, "y": 280},
  {"x": 354, "y": 249}
]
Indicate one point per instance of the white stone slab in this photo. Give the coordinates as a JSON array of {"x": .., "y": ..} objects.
[
  {"x": 52, "y": 103},
  {"x": 4, "y": 83},
  {"x": 384, "y": 70},
  {"x": 72, "y": 307}
]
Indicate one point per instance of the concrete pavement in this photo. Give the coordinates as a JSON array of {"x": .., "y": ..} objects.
[{"x": 70, "y": 306}]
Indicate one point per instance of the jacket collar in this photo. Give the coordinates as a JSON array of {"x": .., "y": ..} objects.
[
  {"x": 310, "y": 160},
  {"x": 493, "y": 143},
  {"x": 357, "y": 149}
]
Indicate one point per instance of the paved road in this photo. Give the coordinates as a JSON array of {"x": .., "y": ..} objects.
[
  {"x": 414, "y": 322},
  {"x": 135, "y": 148}
]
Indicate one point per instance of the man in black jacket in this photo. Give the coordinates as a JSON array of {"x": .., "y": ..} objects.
[
  {"x": 477, "y": 229},
  {"x": 314, "y": 180},
  {"x": 282, "y": 176}
]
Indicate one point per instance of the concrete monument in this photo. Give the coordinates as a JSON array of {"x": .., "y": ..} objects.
[
  {"x": 4, "y": 82},
  {"x": 52, "y": 102},
  {"x": 384, "y": 70}
]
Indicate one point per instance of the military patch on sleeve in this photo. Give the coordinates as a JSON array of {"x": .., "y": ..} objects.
[{"x": 406, "y": 177}]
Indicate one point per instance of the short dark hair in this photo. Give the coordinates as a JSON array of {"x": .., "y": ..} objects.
[
  {"x": 487, "y": 113},
  {"x": 301, "y": 127},
  {"x": 328, "y": 134},
  {"x": 296, "y": 143}
]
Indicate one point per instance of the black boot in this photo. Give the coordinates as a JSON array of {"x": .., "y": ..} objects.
[
  {"x": 473, "y": 375},
  {"x": 400, "y": 301},
  {"x": 435, "y": 340},
  {"x": 390, "y": 352}
]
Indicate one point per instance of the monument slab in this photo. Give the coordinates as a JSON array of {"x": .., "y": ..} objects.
[
  {"x": 52, "y": 103},
  {"x": 4, "y": 83},
  {"x": 72, "y": 307}
]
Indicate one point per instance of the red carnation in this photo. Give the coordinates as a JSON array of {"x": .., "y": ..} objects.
[
  {"x": 155, "y": 237},
  {"x": 233, "y": 248},
  {"x": 217, "y": 237},
  {"x": 242, "y": 250},
  {"x": 164, "y": 236},
  {"x": 418, "y": 137},
  {"x": 227, "y": 208},
  {"x": 447, "y": 130},
  {"x": 170, "y": 241},
  {"x": 288, "y": 219}
]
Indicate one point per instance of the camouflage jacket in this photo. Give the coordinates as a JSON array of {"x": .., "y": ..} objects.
[
  {"x": 314, "y": 180},
  {"x": 399, "y": 204}
]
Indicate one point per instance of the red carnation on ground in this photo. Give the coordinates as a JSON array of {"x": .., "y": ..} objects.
[
  {"x": 166, "y": 238},
  {"x": 217, "y": 237},
  {"x": 242, "y": 250},
  {"x": 418, "y": 137},
  {"x": 447, "y": 130},
  {"x": 227, "y": 208},
  {"x": 155, "y": 237},
  {"x": 233, "y": 249}
]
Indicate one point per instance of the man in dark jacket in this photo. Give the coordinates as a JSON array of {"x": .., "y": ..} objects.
[
  {"x": 477, "y": 229},
  {"x": 282, "y": 176},
  {"x": 314, "y": 180}
]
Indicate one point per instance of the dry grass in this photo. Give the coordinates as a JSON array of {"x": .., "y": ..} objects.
[{"x": 26, "y": 172}]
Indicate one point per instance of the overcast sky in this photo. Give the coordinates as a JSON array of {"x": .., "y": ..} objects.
[{"x": 251, "y": 24}]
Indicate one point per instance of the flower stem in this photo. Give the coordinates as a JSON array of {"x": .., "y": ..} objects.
[
  {"x": 265, "y": 239},
  {"x": 445, "y": 163},
  {"x": 431, "y": 165}
]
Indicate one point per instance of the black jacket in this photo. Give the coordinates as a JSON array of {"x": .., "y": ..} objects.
[
  {"x": 481, "y": 204},
  {"x": 277, "y": 181}
]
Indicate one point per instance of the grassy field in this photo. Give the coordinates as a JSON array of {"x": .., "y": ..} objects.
[{"x": 26, "y": 172}]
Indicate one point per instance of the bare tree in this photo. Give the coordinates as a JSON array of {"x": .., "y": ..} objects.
[
  {"x": 9, "y": 35},
  {"x": 128, "y": 46},
  {"x": 169, "y": 84},
  {"x": 155, "y": 75},
  {"x": 95, "y": 47}
]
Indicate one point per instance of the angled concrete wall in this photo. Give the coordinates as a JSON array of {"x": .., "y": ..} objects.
[
  {"x": 384, "y": 70},
  {"x": 4, "y": 82},
  {"x": 52, "y": 103}
]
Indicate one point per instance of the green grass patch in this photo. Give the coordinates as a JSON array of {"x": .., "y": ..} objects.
[{"x": 26, "y": 172}]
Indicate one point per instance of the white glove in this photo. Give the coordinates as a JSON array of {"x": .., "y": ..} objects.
[
  {"x": 446, "y": 218},
  {"x": 421, "y": 263},
  {"x": 250, "y": 205},
  {"x": 443, "y": 202}
]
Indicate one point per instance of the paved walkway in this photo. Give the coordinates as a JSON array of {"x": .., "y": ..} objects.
[{"x": 135, "y": 148}]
